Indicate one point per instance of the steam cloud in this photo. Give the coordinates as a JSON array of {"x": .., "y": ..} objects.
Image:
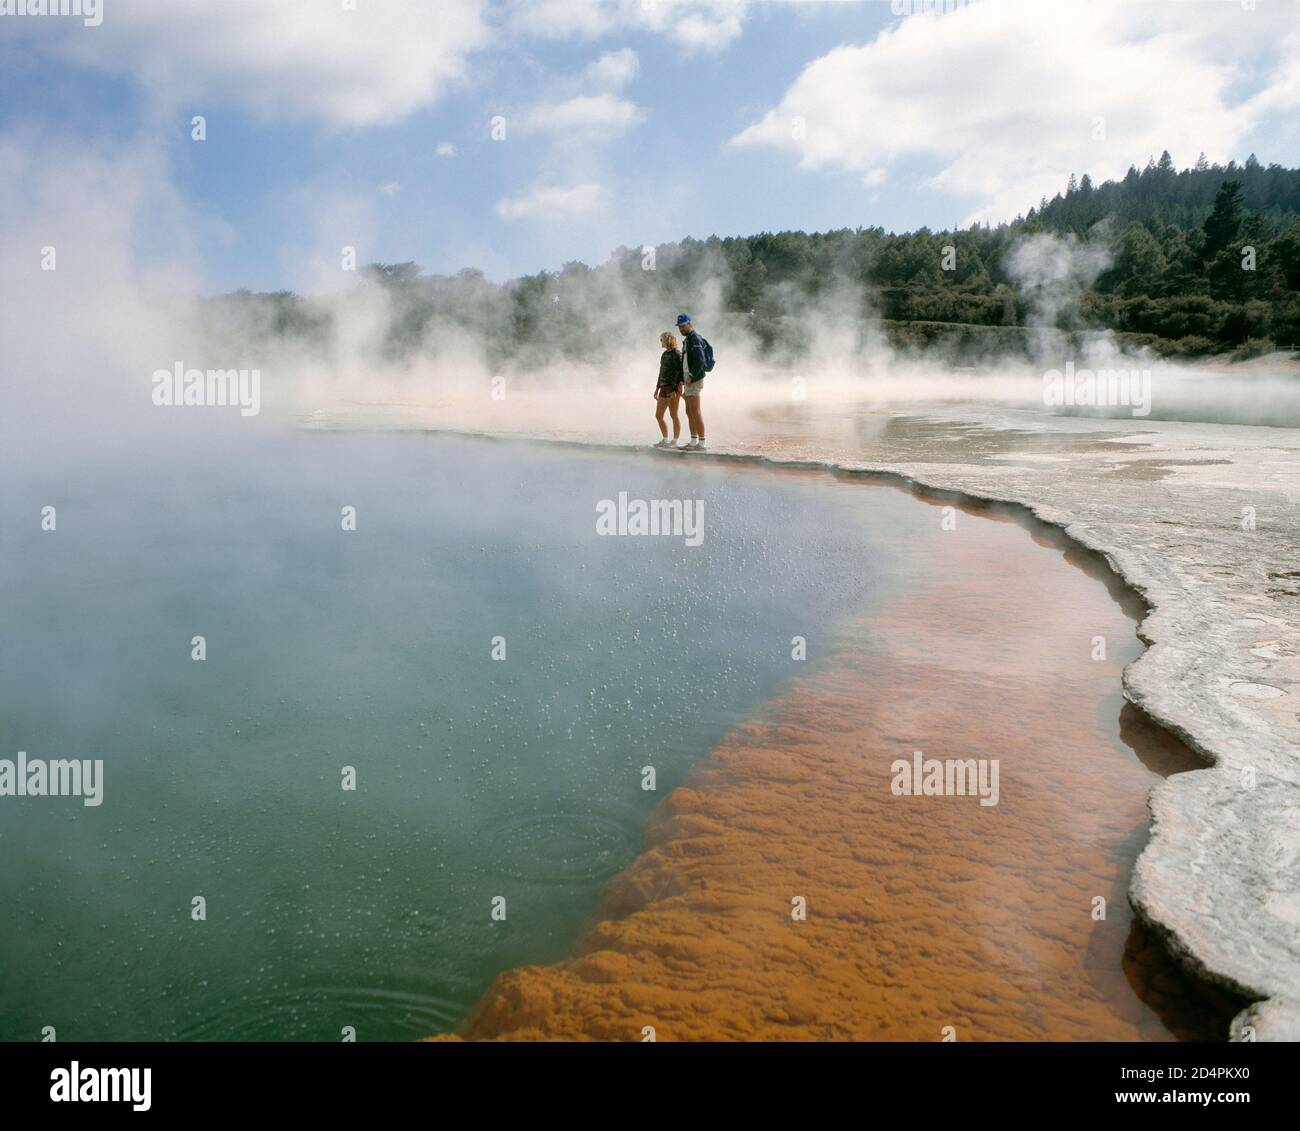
[{"x": 81, "y": 341}]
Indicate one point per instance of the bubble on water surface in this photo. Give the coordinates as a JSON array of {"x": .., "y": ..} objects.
[{"x": 562, "y": 847}]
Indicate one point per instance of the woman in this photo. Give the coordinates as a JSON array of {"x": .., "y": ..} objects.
[{"x": 668, "y": 389}]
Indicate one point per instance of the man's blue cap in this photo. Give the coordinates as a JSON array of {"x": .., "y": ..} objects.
[{"x": 682, "y": 319}]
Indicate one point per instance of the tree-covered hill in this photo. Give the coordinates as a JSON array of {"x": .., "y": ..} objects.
[
  {"x": 1161, "y": 194},
  {"x": 1200, "y": 261}
]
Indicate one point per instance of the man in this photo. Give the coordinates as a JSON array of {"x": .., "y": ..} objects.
[{"x": 693, "y": 372}]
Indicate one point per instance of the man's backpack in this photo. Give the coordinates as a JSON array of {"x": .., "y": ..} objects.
[{"x": 708, "y": 353}]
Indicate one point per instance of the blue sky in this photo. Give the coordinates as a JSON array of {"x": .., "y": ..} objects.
[
  {"x": 705, "y": 117},
  {"x": 444, "y": 215}
]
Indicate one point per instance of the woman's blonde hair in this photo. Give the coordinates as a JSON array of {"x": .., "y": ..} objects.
[{"x": 668, "y": 340}]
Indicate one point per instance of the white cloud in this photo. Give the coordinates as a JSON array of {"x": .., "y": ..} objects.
[
  {"x": 1004, "y": 100},
  {"x": 1283, "y": 93},
  {"x": 391, "y": 188},
  {"x": 445, "y": 149},
  {"x": 594, "y": 117},
  {"x": 282, "y": 59},
  {"x": 697, "y": 25},
  {"x": 552, "y": 203},
  {"x": 615, "y": 69}
]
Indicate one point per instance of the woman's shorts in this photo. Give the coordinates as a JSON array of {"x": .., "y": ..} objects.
[
  {"x": 694, "y": 388},
  {"x": 667, "y": 392}
]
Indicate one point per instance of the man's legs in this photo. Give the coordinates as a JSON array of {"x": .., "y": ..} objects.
[
  {"x": 695, "y": 415},
  {"x": 673, "y": 402}
]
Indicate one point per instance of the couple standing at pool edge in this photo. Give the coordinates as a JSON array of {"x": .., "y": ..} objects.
[{"x": 681, "y": 378}]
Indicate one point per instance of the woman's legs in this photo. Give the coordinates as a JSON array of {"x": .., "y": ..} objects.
[
  {"x": 661, "y": 405},
  {"x": 673, "y": 402}
]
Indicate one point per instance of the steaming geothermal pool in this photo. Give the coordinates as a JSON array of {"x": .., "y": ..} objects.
[{"x": 520, "y": 778}]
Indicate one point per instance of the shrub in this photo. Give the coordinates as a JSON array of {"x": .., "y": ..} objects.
[
  {"x": 1193, "y": 345},
  {"x": 1253, "y": 347}
]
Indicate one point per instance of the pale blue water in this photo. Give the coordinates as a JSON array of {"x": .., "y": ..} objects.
[{"x": 371, "y": 649}]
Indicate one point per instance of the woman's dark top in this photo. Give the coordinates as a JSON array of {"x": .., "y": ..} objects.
[{"x": 670, "y": 371}]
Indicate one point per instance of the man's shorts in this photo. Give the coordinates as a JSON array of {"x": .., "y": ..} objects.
[{"x": 694, "y": 388}]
